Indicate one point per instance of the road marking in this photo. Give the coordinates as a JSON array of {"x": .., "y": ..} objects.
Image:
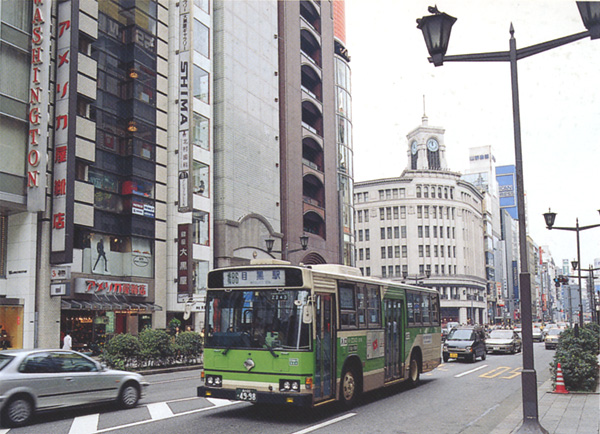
[
  {"x": 324, "y": 424},
  {"x": 495, "y": 372},
  {"x": 185, "y": 413},
  {"x": 218, "y": 402},
  {"x": 483, "y": 414},
  {"x": 160, "y": 410},
  {"x": 85, "y": 424},
  {"x": 471, "y": 371},
  {"x": 4, "y": 431}
]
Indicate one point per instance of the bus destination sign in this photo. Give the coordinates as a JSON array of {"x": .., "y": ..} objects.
[{"x": 254, "y": 278}]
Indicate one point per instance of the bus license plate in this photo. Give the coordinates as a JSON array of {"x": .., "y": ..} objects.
[
  {"x": 246, "y": 394},
  {"x": 453, "y": 356}
]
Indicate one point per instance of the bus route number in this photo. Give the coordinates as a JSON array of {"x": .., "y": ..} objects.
[{"x": 233, "y": 278}]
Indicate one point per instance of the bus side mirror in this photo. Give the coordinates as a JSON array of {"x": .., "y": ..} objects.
[{"x": 307, "y": 313}]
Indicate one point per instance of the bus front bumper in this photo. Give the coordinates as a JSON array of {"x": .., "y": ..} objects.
[{"x": 294, "y": 399}]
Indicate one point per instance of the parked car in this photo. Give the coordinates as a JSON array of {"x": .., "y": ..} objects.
[
  {"x": 465, "y": 342},
  {"x": 32, "y": 380},
  {"x": 505, "y": 341},
  {"x": 551, "y": 340},
  {"x": 536, "y": 334}
]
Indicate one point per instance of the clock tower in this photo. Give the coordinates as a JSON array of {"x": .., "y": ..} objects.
[{"x": 426, "y": 148}]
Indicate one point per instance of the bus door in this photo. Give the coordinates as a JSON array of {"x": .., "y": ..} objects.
[
  {"x": 324, "y": 380},
  {"x": 393, "y": 339}
]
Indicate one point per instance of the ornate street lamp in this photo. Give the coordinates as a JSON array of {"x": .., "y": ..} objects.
[
  {"x": 439, "y": 28},
  {"x": 269, "y": 242}
]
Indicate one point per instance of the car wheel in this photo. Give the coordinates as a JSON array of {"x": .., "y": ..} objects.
[
  {"x": 130, "y": 395},
  {"x": 18, "y": 412},
  {"x": 445, "y": 357},
  {"x": 473, "y": 357},
  {"x": 484, "y": 355},
  {"x": 513, "y": 349},
  {"x": 414, "y": 375}
]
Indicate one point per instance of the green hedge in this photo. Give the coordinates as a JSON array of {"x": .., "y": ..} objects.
[
  {"x": 578, "y": 358},
  {"x": 152, "y": 348}
]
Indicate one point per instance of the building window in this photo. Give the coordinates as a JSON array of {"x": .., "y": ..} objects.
[
  {"x": 395, "y": 212},
  {"x": 388, "y": 213},
  {"x": 419, "y": 211},
  {"x": 420, "y": 231},
  {"x": 434, "y": 212},
  {"x": 428, "y": 251},
  {"x": 388, "y": 194},
  {"x": 200, "y": 131},
  {"x": 434, "y": 231},
  {"x": 426, "y": 212},
  {"x": 201, "y": 38},
  {"x": 396, "y": 251},
  {"x": 383, "y": 271},
  {"x": 435, "y": 251},
  {"x": 395, "y": 193},
  {"x": 433, "y": 191},
  {"x": 201, "y": 84},
  {"x": 420, "y": 251},
  {"x": 368, "y": 271},
  {"x": 389, "y": 252},
  {"x": 405, "y": 251},
  {"x": 200, "y": 224},
  {"x": 442, "y": 251},
  {"x": 426, "y": 191},
  {"x": 360, "y": 235},
  {"x": 389, "y": 233},
  {"x": 403, "y": 231},
  {"x": 366, "y": 216},
  {"x": 426, "y": 231},
  {"x": 396, "y": 232},
  {"x": 397, "y": 270},
  {"x": 381, "y": 213},
  {"x": 421, "y": 269},
  {"x": 202, "y": 4},
  {"x": 381, "y": 194},
  {"x": 359, "y": 215},
  {"x": 367, "y": 254},
  {"x": 418, "y": 191},
  {"x": 201, "y": 177},
  {"x": 402, "y": 192},
  {"x": 367, "y": 235},
  {"x": 383, "y": 252},
  {"x": 361, "y": 254},
  {"x": 391, "y": 270},
  {"x": 382, "y": 233},
  {"x": 441, "y": 232}
]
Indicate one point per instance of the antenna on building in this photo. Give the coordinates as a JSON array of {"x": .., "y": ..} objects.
[{"x": 424, "y": 119}]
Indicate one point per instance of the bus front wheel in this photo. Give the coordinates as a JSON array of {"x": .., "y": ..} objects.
[{"x": 349, "y": 387}]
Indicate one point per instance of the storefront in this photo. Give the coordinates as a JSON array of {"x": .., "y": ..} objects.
[
  {"x": 11, "y": 323},
  {"x": 101, "y": 309}
]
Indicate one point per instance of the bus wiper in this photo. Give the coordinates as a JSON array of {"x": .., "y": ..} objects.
[{"x": 272, "y": 352}]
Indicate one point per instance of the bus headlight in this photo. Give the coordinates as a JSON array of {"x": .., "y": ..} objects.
[{"x": 214, "y": 380}]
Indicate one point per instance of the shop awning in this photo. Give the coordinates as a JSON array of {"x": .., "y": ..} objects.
[{"x": 109, "y": 304}]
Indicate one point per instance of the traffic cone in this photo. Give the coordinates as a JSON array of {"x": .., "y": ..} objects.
[{"x": 560, "y": 383}]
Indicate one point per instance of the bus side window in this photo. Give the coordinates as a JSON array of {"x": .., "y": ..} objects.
[
  {"x": 348, "y": 311},
  {"x": 374, "y": 304}
]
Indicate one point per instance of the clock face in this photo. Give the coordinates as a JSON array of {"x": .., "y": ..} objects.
[
  {"x": 413, "y": 147},
  {"x": 432, "y": 145}
]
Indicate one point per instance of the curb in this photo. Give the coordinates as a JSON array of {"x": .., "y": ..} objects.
[{"x": 169, "y": 370}]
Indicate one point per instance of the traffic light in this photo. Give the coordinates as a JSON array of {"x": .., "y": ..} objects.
[
  {"x": 561, "y": 280},
  {"x": 557, "y": 282}
]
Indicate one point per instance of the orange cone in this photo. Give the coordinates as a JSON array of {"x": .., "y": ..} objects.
[{"x": 560, "y": 383}]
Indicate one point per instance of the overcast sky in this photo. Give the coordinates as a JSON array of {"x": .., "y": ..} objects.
[{"x": 559, "y": 98}]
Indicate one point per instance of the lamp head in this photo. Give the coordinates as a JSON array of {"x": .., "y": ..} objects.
[
  {"x": 436, "y": 31},
  {"x": 304, "y": 242},
  {"x": 428, "y": 273},
  {"x": 269, "y": 242},
  {"x": 549, "y": 217},
  {"x": 590, "y": 15},
  {"x": 574, "y": 264}
]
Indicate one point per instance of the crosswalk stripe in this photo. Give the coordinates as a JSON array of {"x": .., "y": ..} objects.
[
  {"x": 85, "y": 424},
  {"x": 159, "y": 410}
]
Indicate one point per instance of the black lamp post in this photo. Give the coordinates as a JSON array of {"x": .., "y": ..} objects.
[
  {"x": 438, "y": 26},
  {"x": 417, "y": 276},
  {"x": 550, "y": 217},
  {"x": 269, "y": 242}
]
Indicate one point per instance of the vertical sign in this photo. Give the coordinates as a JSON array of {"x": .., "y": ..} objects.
[
  {"x": 37, "y": 148},
  {"x": 185, "y": 264},
  {"x": 185, "y": 107},
  {"x": 64, "y": 134}
]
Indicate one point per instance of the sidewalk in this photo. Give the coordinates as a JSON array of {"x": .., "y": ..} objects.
[{"x": 572, "y": 413}]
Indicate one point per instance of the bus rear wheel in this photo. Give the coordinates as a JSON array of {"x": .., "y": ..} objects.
[
  {"x": 349, "y": 387},
  {"x": 414, "y": 375}
]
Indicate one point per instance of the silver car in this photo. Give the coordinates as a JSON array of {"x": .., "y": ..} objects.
[{"x": 38, "y": 379}]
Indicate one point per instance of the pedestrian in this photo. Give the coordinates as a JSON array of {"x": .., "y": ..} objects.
[
  {"x": 67, "y": 342},
  {"x": 4, "y": 342}
]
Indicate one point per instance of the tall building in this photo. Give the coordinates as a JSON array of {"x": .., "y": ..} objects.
[
  {"x": 507, "y": 185},
  {"x": 426, "y": 226},
  {"x": 158, "y": 140}
]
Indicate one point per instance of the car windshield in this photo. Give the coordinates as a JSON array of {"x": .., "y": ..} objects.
[
  {"x": 5, "y": 360},
  {"x": 554, "y": 332},
  {"x": 461, "y": 335},
  {"x": 257, "y": 319},
  {"x": 501, "y": 334}
]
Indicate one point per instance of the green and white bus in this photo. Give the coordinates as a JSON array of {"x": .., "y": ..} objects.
[{"x": 309, "y": 335}]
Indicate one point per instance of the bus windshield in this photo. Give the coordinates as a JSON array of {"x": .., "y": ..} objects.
[{"x": 270, "y": 319}]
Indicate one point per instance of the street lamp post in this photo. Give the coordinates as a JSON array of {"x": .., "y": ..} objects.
[
  {"x": 269, "y": 242},
  {"x": 549, "y": 217},
  {"x": 417, "y": 276},
  {"x": 436, "y": 31}
]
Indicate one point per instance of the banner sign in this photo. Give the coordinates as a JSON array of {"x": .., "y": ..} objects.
[
  {"x": 185, "y": 196},
  {"x": 185, "y": 263},
  {"x": 93, "y": 286},
  {"x": 38, "y": 115}
]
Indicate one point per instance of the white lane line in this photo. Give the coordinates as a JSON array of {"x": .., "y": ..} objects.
[
  {"x": 114, "y": 428},
  {"x": 159, "y": 410},
  {"x": 85, "y": 424},
  {"x": 484, "y": 414},
  {"x": 324, "y": 424},
  {"x": 471, "y": 371},
  {"x": 4, "y": 431}
]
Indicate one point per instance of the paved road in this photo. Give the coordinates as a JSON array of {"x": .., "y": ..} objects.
[{"x": 457, "y": 397}]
